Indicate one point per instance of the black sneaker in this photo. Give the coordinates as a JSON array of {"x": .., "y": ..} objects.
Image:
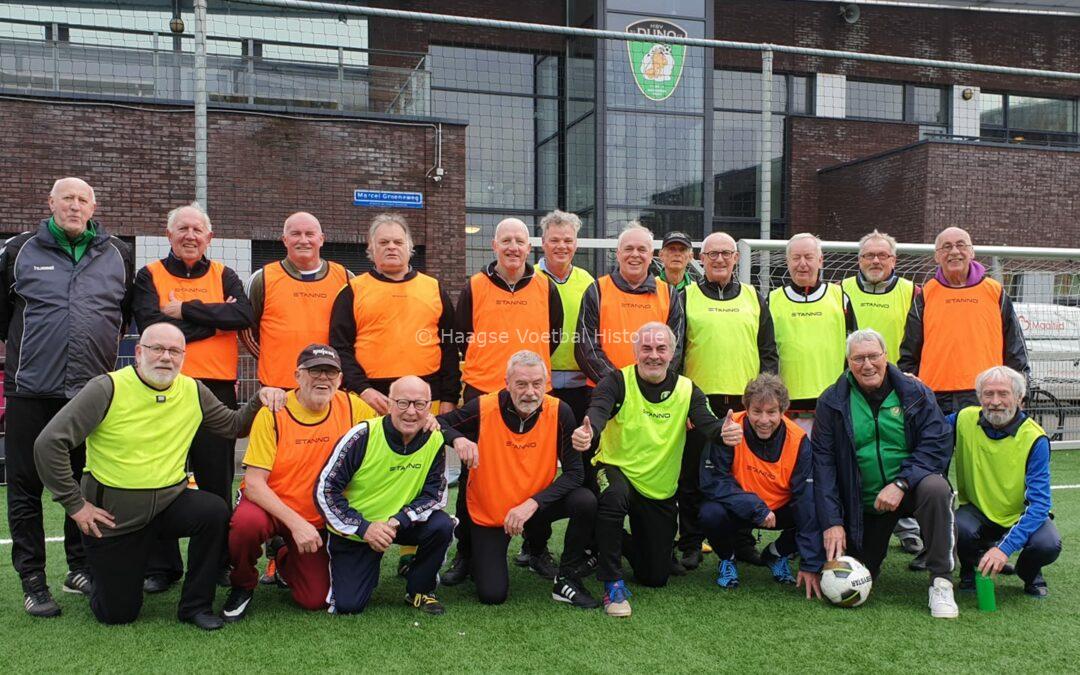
[
  {"x": 38, "y": 600},
  {"x": 426, "y": 603},
  {"x": 456, "y": 573},
  {"x": 590, "y": 564},
  {"x": 544, "y": 565},
  {"x": 677, "y": 570},
  {"x": 206, "y": 621},
  {"x": 1008, "y": 569},
  {"x": 1037, "y": 587},
  {"x": 78, "y": 582},
  {"x": 522, "y": 558},
  {"x": 237, "y": 604},
  {"x": 691, "y": 559},
  {"x": 967, "y": 580},
  {"x": 573, "y": 592},
  {"x": 156, "y": 583}
]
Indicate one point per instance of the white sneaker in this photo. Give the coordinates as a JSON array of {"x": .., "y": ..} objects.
[{"x": 942, "y": 604}]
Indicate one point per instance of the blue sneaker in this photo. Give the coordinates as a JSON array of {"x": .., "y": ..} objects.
[
  {"x": 780, "y": 566},
  {"x": 615, "y": 599},
  {"x": 727, "y": 574}
]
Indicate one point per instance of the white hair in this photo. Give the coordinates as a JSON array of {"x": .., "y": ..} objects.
[
  {"x": 865, "y": 335},
  {"x": 510, "y": 222},
  {"x": 56, "y": 186},
  {"x": 654, "y": 326},
  {"x": 998, "y": 373},
  {"x": 170, "y": 220},
  {"x": 525, "y": 359},
  {"x": 389, "y": 219},
  {"x": 634, "y": 226},
  {"x": 556, "y": 218},
  {"x": 800, "y": 237},
  {"x": 889, "y": 240}
]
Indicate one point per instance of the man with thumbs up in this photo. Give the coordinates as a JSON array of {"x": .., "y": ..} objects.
[
  {"x": 639, "y": 414},
  {"x": 206, "y": 301}
]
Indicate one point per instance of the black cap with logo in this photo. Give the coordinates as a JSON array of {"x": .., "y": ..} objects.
[
  {"x": 318, "y": 355},
  {"x": 677, "y": 238}
]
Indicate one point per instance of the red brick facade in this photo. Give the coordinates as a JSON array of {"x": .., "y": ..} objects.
[
  {"x": 261, "y": 169},
  {"x": 1003, "y": 195}
]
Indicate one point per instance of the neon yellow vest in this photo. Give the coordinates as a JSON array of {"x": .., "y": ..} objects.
[
  {"x": 991, "y": 473},
  {"x": 646, "y": 439},
  {"x": 143, "y": 441},
  {"x": 884, "y": 312},
  {"x": 810, "y": 340},
  {"x": 387, "y": 481},
  {"x": 570, "y": 294},
  {"x": 721, "y": 340}
]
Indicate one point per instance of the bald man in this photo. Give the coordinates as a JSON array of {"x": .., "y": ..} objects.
[
  {"x": 962, "y": 324},
  {"x": 206, "y": 301},
  {"x": 67, "y": 298},
  {"x": 506, "y": 307},
  {"x": 137, "y": 424},
  {"x": 384, "y": 485},
  {"x": 729, "y": 342},
  {"x": 291, "y": 300}
]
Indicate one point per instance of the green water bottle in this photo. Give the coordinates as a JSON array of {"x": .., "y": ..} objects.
[{"x": 984, "y": 592}]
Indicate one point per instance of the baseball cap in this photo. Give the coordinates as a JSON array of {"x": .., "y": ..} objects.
[
  {"x": 318, "y": 355},
  {"x": 677, "y": 238}
]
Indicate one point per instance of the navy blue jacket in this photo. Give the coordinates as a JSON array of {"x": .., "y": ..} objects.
[
  {"x": 718, "y": 484},
  {"x": 837, "y": 482}
]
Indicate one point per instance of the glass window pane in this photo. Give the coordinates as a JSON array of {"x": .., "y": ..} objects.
[
  {"x": 735, "y": 160},
  {"x": 547, "y": 76},
  {"x": 801, "y": 95},
  {"x": 500, "y": 146},
  {"x": 875, "y": 100},
  {"x": 547, "y": 117},
  {"x": 654, "y": 159},
  {"x": 660, "y": 221},
  {"x": 742, "y": 90},
  {"x": 930, "y": 105},
  {"x": 991, "y": 110},
  {"x": 1043, "y": 114},
  {"x": 547, "y": 175},
  {"x": 581, "y": 165},
  {"x": 481, "y": 69}
]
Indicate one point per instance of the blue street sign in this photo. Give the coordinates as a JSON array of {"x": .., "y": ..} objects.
[{"x": 388, "y": 200}]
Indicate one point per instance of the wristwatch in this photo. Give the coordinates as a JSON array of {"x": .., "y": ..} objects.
[{"x": 901, "y": 483}]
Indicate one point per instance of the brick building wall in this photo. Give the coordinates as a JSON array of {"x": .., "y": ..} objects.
[
  {"x": 1002, "y": 195},
  {"x": 261, "y": 169},
  {"x": 817, "y": 143}
]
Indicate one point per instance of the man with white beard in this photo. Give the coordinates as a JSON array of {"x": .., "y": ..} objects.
[
  {"x": 1002, "y": 461},
  {"x": 137, "y": 423}
]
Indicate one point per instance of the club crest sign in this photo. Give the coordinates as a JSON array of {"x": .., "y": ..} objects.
[{"x": 657, "y": 67}]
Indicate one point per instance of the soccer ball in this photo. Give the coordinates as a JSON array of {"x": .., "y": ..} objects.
[{"x": 846, "y": 582}]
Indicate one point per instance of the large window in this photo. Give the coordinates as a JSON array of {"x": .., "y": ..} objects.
[
  {"x": 514, "y": 142},
  {"x": 737, "y": 142},
  {"x": 1021, "y": 118},
  {"x": 892, "y": 101}
]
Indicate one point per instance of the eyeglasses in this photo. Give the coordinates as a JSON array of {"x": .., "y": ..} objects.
[
  {"x": 403, "y": 404},
  {"x": 866, "y": 358},
  {"x": 714, "y": 255},
  {"x": 958, "y": 247},
  {"x": 876, "y": 256},
  {"x": 324, "y": 373},
  {"x": 158, "y": 350}
]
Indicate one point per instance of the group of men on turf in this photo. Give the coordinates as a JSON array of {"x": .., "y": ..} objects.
[{"x": 590, "y": 400}]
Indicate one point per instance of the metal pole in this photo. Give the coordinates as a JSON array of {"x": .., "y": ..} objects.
[
  {"x": 200, "y": 103},
  {"x": 765, "y": 163}
]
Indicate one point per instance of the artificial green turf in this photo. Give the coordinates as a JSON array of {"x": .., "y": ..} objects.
[{"x": 691, "y": 625}]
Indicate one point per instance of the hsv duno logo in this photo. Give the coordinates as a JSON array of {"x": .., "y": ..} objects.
[{"x": 656, "y": 67}]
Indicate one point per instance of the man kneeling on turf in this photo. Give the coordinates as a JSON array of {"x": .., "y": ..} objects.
[
  {"x": 382, "y": 485},
  {"x": 287, "y": 450},
  {"x": 764, "y": 482},
  {"x": 881, "y": 449},
  {"x": 640, "y": 413},
  {"x": 522, "y": 435},
  {"x": 1002, "y": 460}
]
